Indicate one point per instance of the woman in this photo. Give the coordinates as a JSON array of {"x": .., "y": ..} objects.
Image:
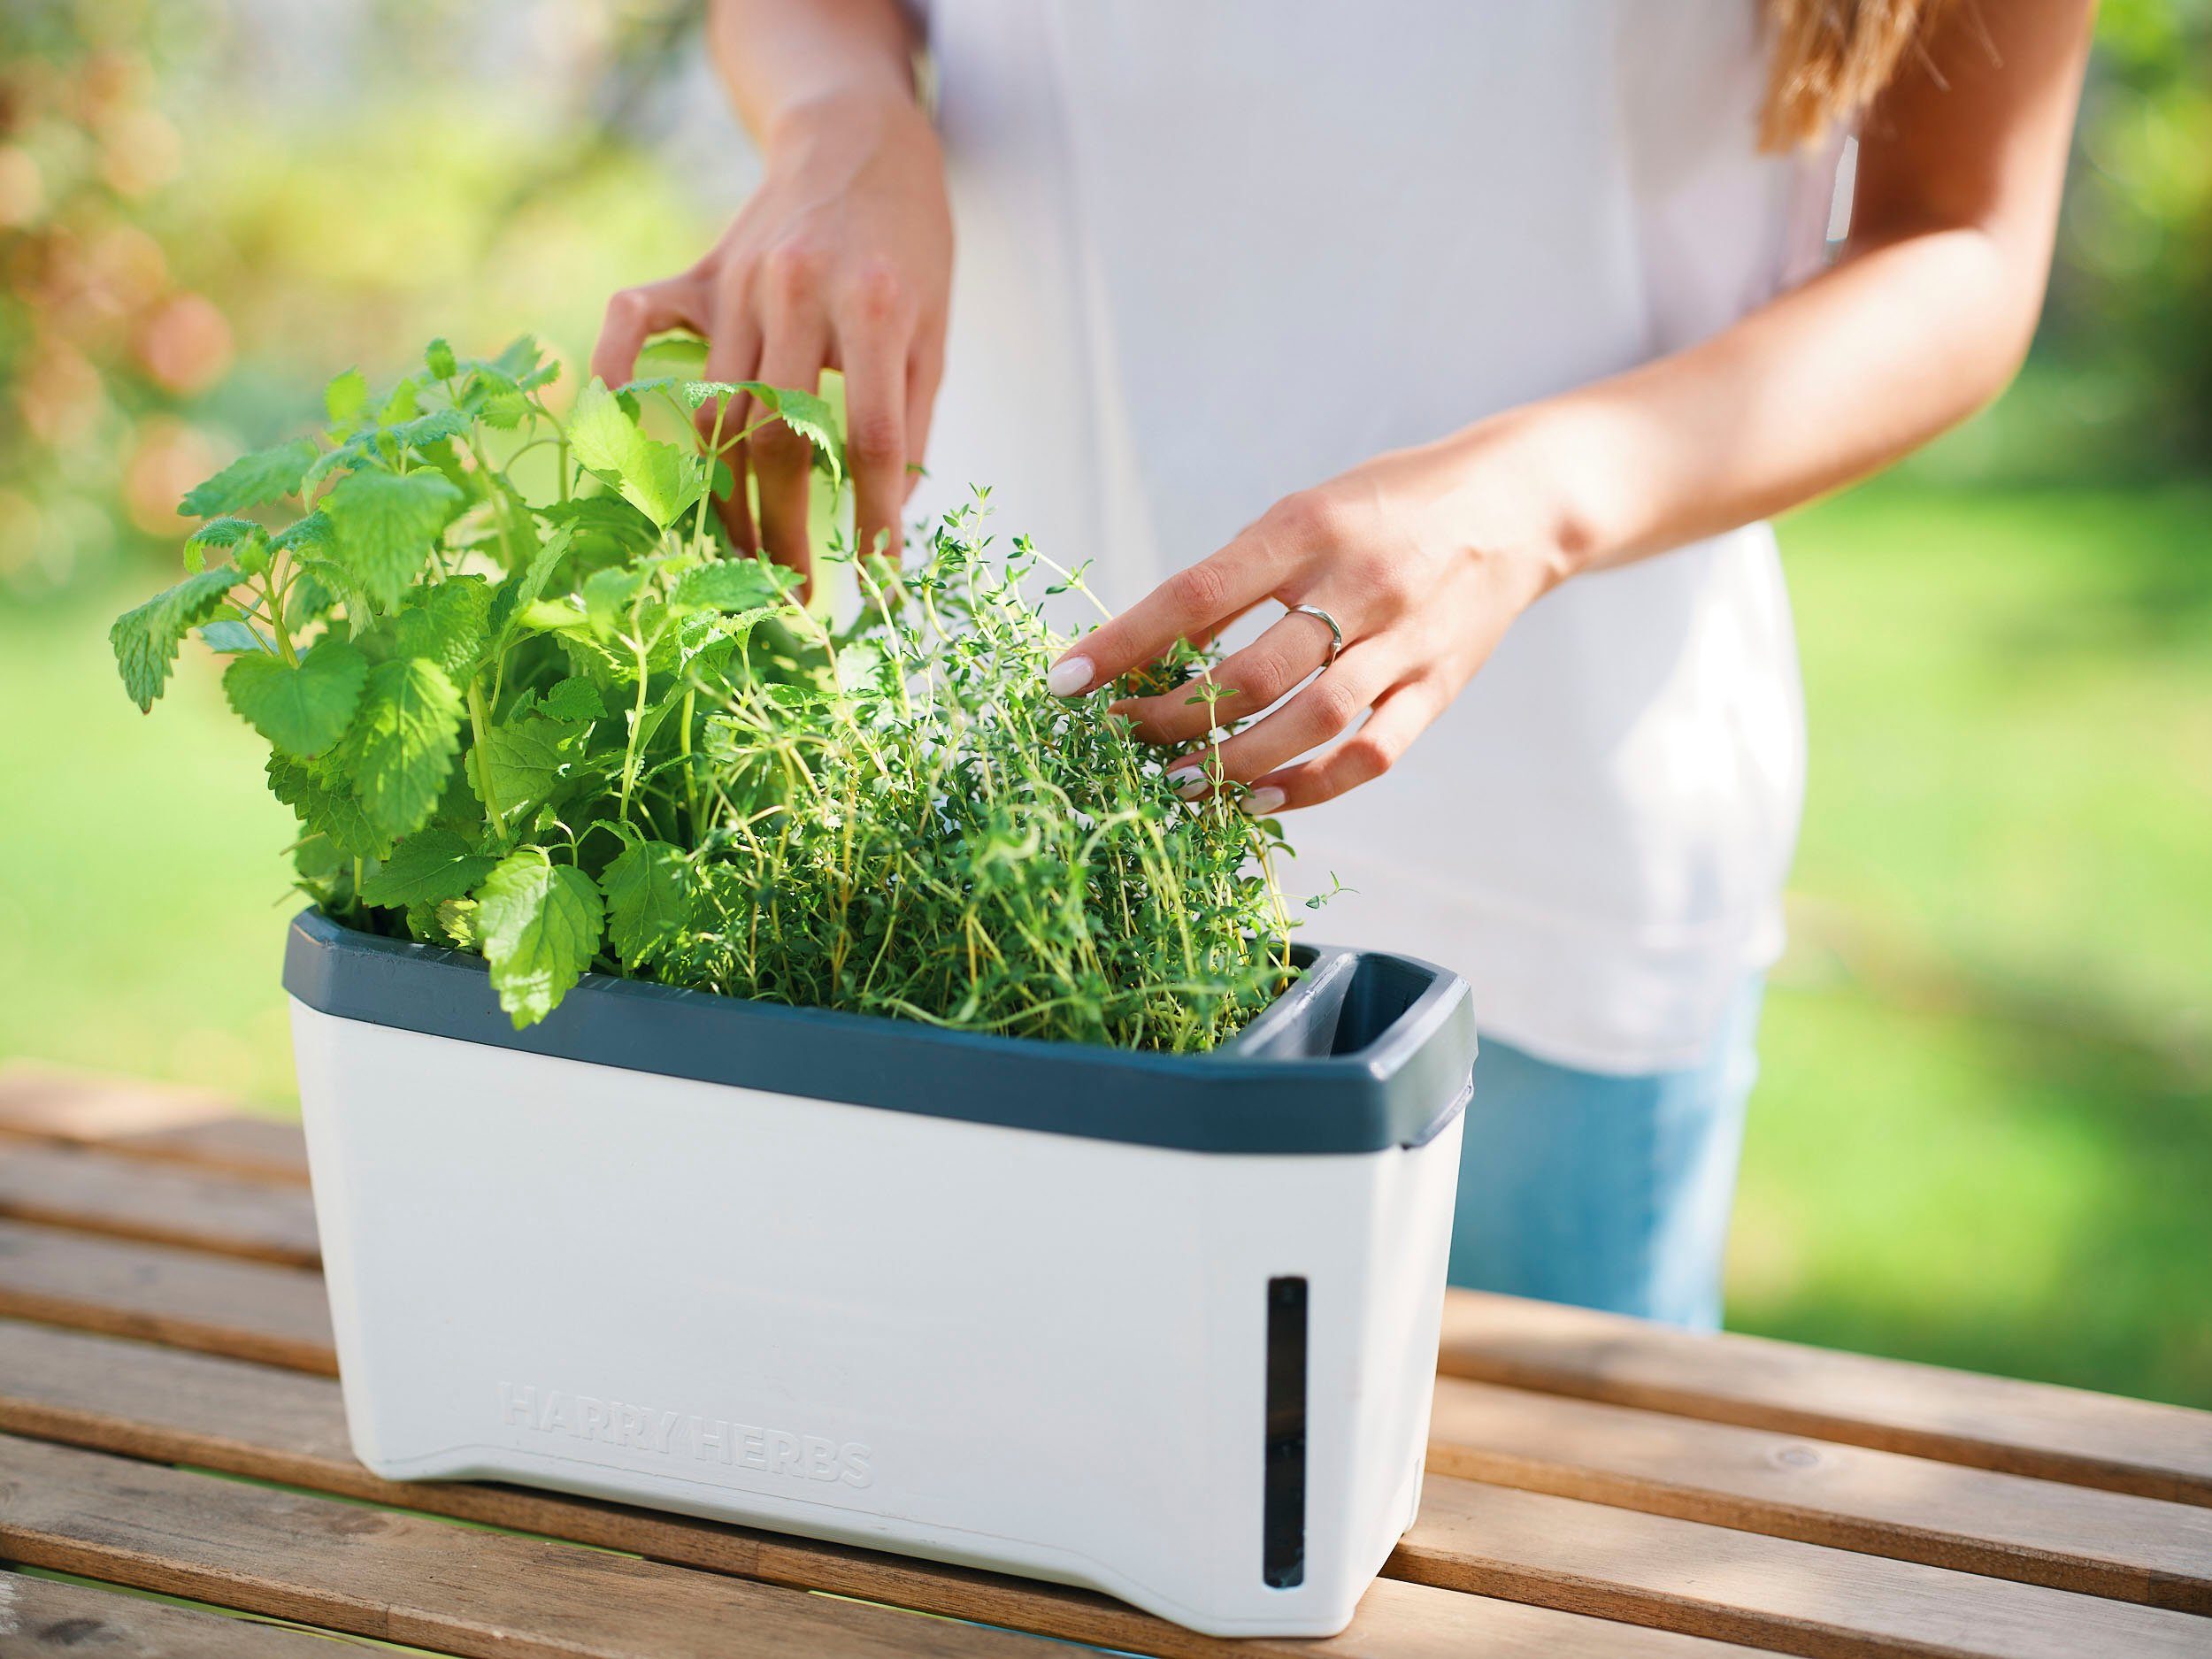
[{"x": 1457, "y": 337}]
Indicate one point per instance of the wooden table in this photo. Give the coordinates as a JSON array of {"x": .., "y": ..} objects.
[{"x": 1597, "y": 1487}]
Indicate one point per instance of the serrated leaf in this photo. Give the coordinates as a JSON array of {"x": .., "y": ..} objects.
[
  {"x": 346, "y": 396},
  {"x": 520, "y": 591},
  {"x": 539, "y": 924},
  {"x": 526, "y": 758},
  {"x": 146, "y": 638},
  {"x": 649, "y": 890},
  {"x": 227, "y": 533},
  {"x": 576, "y": 699},
  {"x": 402, "y": 743},
  {"x": 308, "y": 535},
  {"x": 320, "y": 799},
  {"x": 230, "y": 636},
  {"x": 425, "y": 430},
  {"x": 302, "y": 710},
  {"x": 251, "y": 480},
  {"x": 810, "y": 416},
  {"x": 448, "y": 623},
  {"x": 604, "y": 529},
  {"x": 607, "y": 597},
  {"x": 439, "y": 360},
  {"x": 731, "y": 585},
  {"x": 383, "y": 525},
  {"x": 429, "y": 867},
  {"x": 658, "y": 479}
]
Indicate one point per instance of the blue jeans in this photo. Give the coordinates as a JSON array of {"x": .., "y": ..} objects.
[{"x": 1606, "y": 1192}]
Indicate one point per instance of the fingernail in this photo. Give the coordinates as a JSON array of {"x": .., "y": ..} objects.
[
  {"x": 1262, "y": 801},
  {"x": 1188, "y": 781},
  {"x": 1068, "y": 676}
]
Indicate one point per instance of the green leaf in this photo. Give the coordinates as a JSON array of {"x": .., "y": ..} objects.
[
  {"x": 318, "y": 799},
  {"x": 403, "y": 742},
  {"x": 732, "y": 585},
  {"x": 227, "y": 533},
  {"x": 346, "y": 397},
  {"x": 810, "y": 417},
  {"x": 649, "y": 889},
  {"x": 447, "y": 623},
  {"x": 384, "y": 524},
  {"x": 251, "y": 480},
  {"x": 230, "y": 636},
  {"x": 575, "y": 700},
  {"x": 527, "y": 759},
  {"x": 425, "y": 430},
  {"x": 606, "y": 529},
  {"x": 539, "y": 924},
  {"x": 146, "y": 638},
  {"x": 302, "y": 710},
  {"x": 429, "y": 867},
  {"x": 310, "y": 534},
  {"x": 607, "y": 597},
  {"x": 439, "y": 360},
  {"x": 518, "y": 593},
  {"x": 658, "y": 479}
]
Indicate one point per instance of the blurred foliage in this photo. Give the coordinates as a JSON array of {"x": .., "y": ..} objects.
[
  {"x": 205, "y": 205},
  {"x": 2128, "y": 331}
]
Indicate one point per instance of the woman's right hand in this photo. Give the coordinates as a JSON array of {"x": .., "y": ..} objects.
[{"x": 842, "y": 258}]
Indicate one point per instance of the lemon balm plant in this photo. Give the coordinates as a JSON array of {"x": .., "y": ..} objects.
[{"x": 524, "y": 701}]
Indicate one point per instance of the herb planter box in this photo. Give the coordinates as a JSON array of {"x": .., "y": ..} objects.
[{"x": 1161, "y": 1326}]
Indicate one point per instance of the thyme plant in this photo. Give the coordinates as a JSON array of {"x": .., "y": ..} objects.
[{"x": 526, "y": 702}]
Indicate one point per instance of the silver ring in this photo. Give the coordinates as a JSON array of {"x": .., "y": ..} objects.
[{"x": 1336, "y": 633}]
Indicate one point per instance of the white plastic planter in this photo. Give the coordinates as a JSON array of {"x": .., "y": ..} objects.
[{"x": 1166, "y": 1326}]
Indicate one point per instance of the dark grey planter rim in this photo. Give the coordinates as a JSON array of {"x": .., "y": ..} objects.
[{"x": 1275, "y": 1088}]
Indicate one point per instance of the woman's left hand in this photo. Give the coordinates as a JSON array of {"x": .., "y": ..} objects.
[{"x": 1422, "y": 556}]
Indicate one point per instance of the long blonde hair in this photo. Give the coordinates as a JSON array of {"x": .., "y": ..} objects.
[{"x": 1830, "y": 59}]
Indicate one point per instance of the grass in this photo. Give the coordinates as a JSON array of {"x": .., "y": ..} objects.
[
  {"x": 1984, "y": 1131},
  {"x": 1984, "y": 1134}
]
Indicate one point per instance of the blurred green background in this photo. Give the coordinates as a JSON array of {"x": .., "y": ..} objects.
[{"x": 1984, "y": 1131}]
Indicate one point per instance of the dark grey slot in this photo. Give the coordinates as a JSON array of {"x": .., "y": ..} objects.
[{"x": 1283, "y": 1498}]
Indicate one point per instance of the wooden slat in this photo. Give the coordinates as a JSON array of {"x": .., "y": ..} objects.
[
  {"x": 409, "y": 1579},
  {"x": 160, "y": 1122},
  {"x": 2054, "y": 1433},
  {"x": 253, "y": 1309},
  {"x": 1945, "y": 1515},
  {"x": 1576, "y": 1557},
  {"x": 169, "y": 1406},
  {"x": 96, "y": 1191},
  {"x": 38, "y": 1616},
  {"x": 1771, "y": 1592}
]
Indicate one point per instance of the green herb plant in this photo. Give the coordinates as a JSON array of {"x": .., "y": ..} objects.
[{"x": 524, "y": 701}]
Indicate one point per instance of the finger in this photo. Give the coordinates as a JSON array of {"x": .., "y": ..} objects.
[
  {"x": 635, "y": 315},
  {"x": 1400, "y": 715},
  {"x": 732, "y": 354},
  {"x": 780, "y": 459},
  {"x": 1192, "y": 605},
  {"x": 872, "y": 345},
  {"x": 1322, "y": 710},
  {"x": 925, "y": 370},
  {"x": 1256, "y": 677}
]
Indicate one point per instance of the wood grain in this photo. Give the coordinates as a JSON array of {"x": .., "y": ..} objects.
[
  {"x": 96, "y": 1191},
  {"x": 2052, "y": 1433},
  {"x": 409, "y": 1579},
  {"x": 159, "y": 1122},
  {"x": 169, "y": 1406},
  {"x": 38, "y": 1616},
  {"x": 1945, "y": 1515},
  {"x": 1769, "y": 1592},
  {"x": 253, "y": 1309}
]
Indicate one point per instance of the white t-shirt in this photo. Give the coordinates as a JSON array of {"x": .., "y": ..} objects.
[{"x": 1210, "y": 254}]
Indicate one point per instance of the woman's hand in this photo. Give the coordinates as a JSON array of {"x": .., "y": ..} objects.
[
  {"x": 842, "y": 258},
  {"x": 1423, "y": 556}
]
